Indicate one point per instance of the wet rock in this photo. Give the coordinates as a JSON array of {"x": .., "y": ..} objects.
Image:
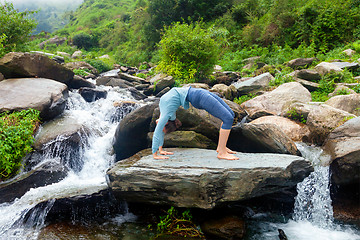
[
  {"x": 295, "y": 131},
  {"x": 113, "y": 82},
  {"x": 137, "y": 94},
  {"x": 260, "y": 82},
  {"x": 47, "y": 96},
  {"x": 343, "y": 144},
  {"x": 230, "y": 227},
  {"x": 21, "y": 65},
  {"x": 186, "y": 139},
  {"x": 79, "y": 82},
  {"x": 278, "y": 99},
  {"x": 134, "y": 126},
  {"x": 1, "y": 76},
  {"x": 44, "y": 174},
  {"x": 91, "y": 94},
  {"x": 349, "y": 103},
  {"x": 323, "y": 119},
  {"x": 196, "y": 178},
  {"x": 82, "y": 66}
]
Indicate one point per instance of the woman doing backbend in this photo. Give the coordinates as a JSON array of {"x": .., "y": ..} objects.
[{"x": 201, "y": 99}]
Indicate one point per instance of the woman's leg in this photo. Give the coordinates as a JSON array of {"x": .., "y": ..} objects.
[{"x": 218, "y": 108}]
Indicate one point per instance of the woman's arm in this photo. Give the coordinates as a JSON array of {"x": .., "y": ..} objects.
[{"x": 158, "y": 137}]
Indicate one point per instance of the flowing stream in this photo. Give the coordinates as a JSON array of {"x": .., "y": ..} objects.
[
  {"x": 313, "y": 213},
  {"x": 87, "y": 174},
  {"x": 312, "y": 217}
]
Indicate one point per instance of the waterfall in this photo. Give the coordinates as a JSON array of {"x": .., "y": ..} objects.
[{"x": 19, "y": 219}]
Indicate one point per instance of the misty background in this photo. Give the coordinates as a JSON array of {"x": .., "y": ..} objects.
[{"x": 52, "y": 14}]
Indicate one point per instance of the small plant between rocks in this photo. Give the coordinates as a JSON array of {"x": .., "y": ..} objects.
[{"x": 179, "y": 225}]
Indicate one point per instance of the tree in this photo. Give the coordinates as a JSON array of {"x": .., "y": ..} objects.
[
  {"x": 187, "y": 52},
  {"x": 16, "y": 27}
]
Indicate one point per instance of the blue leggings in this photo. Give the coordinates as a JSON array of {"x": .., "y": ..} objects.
[{"x": 203, "y": 99}]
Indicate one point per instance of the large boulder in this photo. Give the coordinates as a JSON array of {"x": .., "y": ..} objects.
[
  {"x": 257, "y": 83},
  {"x": 187, "y": 139},
  {"x": 131, "y": 133},
  {"x": 63, "y": 138},
  {"x": 197, "y": 178},
  {"x": 324, "y": 119},
  {"x": 19, "y": 65},
  {"x": 278, "y": 99},
  {"x": 45, "y": 174},
  {"x": 295, "y": 131},
  {"x": 45, "y": 95},
  {"x": 269, "y": 138},
  {"x": 343, "y": 144},
  {"x": 349, "y": 103},
  {"x": 92, "y": 94}
]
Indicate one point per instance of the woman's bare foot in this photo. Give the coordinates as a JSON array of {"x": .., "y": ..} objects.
[
  {"x": 227, "y": 156},
  {"x": 228, "y": 151}
]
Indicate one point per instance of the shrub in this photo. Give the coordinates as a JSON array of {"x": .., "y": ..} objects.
[
  {"x": 84, "y": 40},
  {"x": 187, "y": 52},
  {"x": 15, "y": 26},
  {"x": 99, "y": 65},
  {"x": 16, "y": 138}
]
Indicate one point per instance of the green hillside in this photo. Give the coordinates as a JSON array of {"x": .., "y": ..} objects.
[{"x": 131, "y": 29}]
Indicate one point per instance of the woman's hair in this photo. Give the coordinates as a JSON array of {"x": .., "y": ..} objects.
[{"x": 172, "y": 125}]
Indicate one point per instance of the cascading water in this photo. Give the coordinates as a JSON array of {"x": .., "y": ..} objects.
[
  {"x": 313, "y": 213},
  {"x": 87, "y": 173}
]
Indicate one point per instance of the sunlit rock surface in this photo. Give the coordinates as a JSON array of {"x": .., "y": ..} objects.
[{"x": 196, "y": 178}]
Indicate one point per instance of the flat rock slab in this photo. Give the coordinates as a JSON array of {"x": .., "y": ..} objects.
[{"x": 196, "y": 178}]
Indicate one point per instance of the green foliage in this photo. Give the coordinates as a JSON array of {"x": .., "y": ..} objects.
[
  {"x": 244, "y": 98},
  {"x": 187, "y": 52},
  {"x": 2, "y": 49},
  {"x": 84, "y": 40},
  {"x": 178, "y": 225},
  {"x": 294, "y": 115},
  {"x": 16, "y": 138},
  {"x": 16, "y": 27},
  {"x": 281, "y": 78},
  {"x": 357, "y": 88},
  {"x": 99, "y": 65},
  {"x": 326, "y": 86},
  {"x": 343, "y": 91},
  {"x": 81, "y": 72}
]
